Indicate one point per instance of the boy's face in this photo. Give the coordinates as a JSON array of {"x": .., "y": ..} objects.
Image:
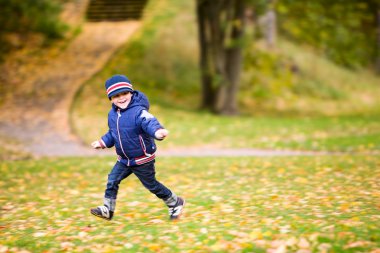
[{"x": 122, "y": 99}]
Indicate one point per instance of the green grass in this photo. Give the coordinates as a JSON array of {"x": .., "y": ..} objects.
[
  {"x": 315, "y": 204},
  {"x": 192, "y": 128}
]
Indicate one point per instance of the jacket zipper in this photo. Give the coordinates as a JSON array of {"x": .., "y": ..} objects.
[
  {"x": 118, "y": 133},
  {"x": 142, "y": 144}
]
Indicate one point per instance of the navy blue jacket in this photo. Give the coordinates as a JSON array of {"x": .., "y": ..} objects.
[{"x": 131, "y": 131}]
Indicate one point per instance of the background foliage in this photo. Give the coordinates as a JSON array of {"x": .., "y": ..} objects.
[
  {"x": 345, "y": 31},
  {"x": 289, "y": 79},
  {"x": 20, "y": 19}
]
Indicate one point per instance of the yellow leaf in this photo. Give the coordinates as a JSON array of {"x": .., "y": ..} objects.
[
  {"x": 301, "y": 180},
  {"x": 267, "y": 233},
  {"x": 254, "y": 235}
]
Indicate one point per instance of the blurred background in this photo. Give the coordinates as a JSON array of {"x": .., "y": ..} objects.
[
  {"x": 255, "y": 74},
  {"x": 279, "y": 97}
]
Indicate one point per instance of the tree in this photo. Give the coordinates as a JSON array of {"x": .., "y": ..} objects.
[{"x": 220, "y": 26}]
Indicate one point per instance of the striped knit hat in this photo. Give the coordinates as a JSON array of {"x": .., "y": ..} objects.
[{"x": 117, "y": 84}]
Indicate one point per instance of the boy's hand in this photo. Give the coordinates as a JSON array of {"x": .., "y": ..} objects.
[
  {"x": 96, "y": 145},
  {"x": 161, "y": 134}
]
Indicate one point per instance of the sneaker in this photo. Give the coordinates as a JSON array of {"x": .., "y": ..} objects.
[
  {"x": 102, "y": 212},
  {"x": 176, "y": 210}
]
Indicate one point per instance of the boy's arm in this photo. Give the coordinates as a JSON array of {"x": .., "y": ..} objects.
[
  {"x": 105, "y": 142},
  {"x": 151, "y": 125}
]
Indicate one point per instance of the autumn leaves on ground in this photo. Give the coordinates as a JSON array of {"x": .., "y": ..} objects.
[{"x": 309, "y": 204}]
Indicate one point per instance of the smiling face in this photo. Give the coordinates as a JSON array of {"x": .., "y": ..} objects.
[{"x": 122, "y": 99}]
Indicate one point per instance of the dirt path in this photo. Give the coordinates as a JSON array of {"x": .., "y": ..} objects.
[
  {"x": 229, "y": 152},
  {"x": 41, "y": 125}
]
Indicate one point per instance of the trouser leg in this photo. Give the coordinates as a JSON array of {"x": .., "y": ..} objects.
[
  {"x": 147, "y": 175},
  {"x": 117, "y": 174}
]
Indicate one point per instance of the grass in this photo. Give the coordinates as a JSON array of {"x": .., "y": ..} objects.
[
  {"x": 192, "y": 128},
  {"x": 234, "y": 205}
]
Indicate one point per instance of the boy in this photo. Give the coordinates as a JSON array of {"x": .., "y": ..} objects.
[{"x": 132, "y": 130}]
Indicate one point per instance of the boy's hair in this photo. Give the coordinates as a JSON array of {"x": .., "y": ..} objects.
[{"x": 117, "y": 84}]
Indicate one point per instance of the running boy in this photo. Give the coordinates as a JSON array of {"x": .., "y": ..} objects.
[{"x": 132, "y": 130}]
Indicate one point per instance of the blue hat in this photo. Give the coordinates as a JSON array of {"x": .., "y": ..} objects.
[{"x": 117, "y": 84}]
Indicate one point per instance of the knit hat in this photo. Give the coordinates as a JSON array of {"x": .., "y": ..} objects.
[{"x": 117, "y": 84}]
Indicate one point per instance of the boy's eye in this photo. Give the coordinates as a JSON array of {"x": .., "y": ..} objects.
[{"x": 121, "y": 94}]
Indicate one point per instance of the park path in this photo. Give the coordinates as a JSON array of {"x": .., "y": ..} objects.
[{"x": 36, "y": 116}]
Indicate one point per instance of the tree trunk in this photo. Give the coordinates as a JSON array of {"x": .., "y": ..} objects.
[
  {"x": 268, "y": 25},
  {"x": 234, "y": 59},
  {"x": 271, "y": 28},
  {"x": 208, "y": 95},
  {"x": 220, "y": 25}
]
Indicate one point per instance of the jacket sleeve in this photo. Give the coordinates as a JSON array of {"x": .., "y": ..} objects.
[
  {"x": 148, "y": 123},
  {"x": 107, "y": 140}
]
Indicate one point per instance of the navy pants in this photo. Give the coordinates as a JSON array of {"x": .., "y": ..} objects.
[{"x": 145, "y": 173}]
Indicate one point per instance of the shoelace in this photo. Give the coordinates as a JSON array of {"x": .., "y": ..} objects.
[
  {"x": 105, "y": 211},
  {"x": 172, "y": 210}
]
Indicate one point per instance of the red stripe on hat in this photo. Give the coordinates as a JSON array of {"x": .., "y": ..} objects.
[{"x": 117, "y": 86}]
